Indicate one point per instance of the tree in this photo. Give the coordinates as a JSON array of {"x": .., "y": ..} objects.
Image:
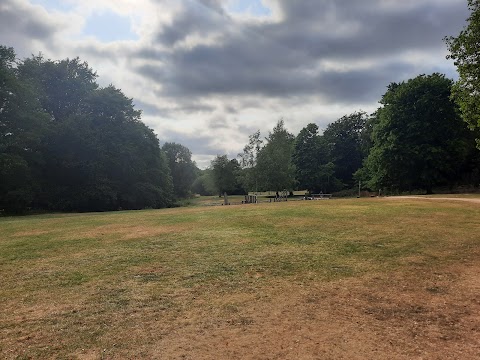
[
  {"x": 464, "y": 50},
  {"x": 182, "y": 168},
  {"x": 225, "y": 175},
  {"x": 313, "y": 168},
  {"x": 346, "y": 142},
  {"x": 22, "y": 126},
  {"x": 63, "y": 86},
  {"x": 204, "y": 183},
  {"x": 105, "y": 158},
  {"x": 274, "y": 161},
  {"x": 418, "y": 138},
  {"x": 248, "y": 161},
  {"x": 92, "y": 151}
]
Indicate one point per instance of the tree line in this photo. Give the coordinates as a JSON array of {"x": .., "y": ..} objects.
[
  {"x": 421, "y": 137},
  {"x": 416, "y": 141},
  {"x": 67, "y": 144}
]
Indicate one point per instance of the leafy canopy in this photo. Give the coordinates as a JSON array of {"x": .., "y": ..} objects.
[
  {"x": 274, "y": 161},
  {"x": 418, "y": 138},
  {"x": 465, "y": 51}
]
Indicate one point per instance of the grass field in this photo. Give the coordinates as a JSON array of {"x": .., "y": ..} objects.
[{"x": 337, "y": 279}]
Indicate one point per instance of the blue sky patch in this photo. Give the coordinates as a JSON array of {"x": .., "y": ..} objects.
[
  {"x": 250, "y": 7},
  {"x": 109, "y": 26}
]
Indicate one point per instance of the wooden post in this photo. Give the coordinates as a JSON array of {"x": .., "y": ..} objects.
[{"x": 225, "y": 199}]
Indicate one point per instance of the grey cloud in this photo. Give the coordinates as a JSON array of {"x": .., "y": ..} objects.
[
  {"x": 206, "y": 144},
  {"x": 280, "y": 59},
  {"x": 150, "y": 109},
  {"x": 148, "y": 53},
  {"x": 17, "y": 19},
  {"x": 185, "y": 108},
  {"x": 362, "y": 86},
  {"x": 195, "y": 108},
  {"x": 346, "y": 30},
  {"x": 229, "y": 109},
  {"x": 19, "y": 22},
  {"x": 259, "y": 64},
  {"x": 198, "y": 17},
  {"x": 218, "y": 122},
  {"x": 196, "y": 79},
  {"x": 215, "y": 5},
  {"x": 198, "y": 144},
  {"x": 97, "y": 51},
  {"x": 376, "y": 30}
]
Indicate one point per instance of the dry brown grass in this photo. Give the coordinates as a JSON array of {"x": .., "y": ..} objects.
[{"x": 343, "y": 279}]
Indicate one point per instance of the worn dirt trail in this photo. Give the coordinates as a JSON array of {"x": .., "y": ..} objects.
[{"x": 470, "y": 200}]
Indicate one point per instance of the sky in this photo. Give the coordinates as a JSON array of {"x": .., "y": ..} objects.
[{"x": 208, "y": 73}]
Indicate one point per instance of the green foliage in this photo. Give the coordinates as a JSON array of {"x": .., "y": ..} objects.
[
  {"x": 23, "y": 124},
  {"x": 418, "y": 138},
  {"x": 464, "y": 50},
  {"x": 225, "y": 174},
  {"x": 69, "y": 145},
  {"x": 313, "y": 168},
  {"x": 248, "y": 161},
  {"x": 275, "y": 168},
  {"x": 204, "y": 183},
  {"x": 346, "y": 141},
  {"x": 62, "y": 86},
  {"x": 182, "y": 168}
]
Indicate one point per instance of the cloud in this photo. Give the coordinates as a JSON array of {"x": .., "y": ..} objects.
[
  {"x": 207, "y": 73},
  {"x": 199, "y": 18},
  {"x": 202, "y": 145},
  {"x": 289, "y": 58},
  {"x": 21, "y": 24}
]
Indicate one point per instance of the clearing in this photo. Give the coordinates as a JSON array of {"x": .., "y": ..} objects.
[{"x": 368, "y": 278}]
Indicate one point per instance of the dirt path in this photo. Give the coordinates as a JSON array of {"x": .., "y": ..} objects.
[{"x": 470, "y": 200}]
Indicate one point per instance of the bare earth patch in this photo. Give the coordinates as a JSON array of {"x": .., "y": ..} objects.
[
  {"x": 425, "y": 315},
  {"x": 31, "y": 233},
  {"x": 422, "y": 314},
  {"x": 465, "y": 199},
  {"x": 125, "y": 232}
]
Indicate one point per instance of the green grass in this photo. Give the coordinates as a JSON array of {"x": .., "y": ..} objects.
[{"x": 81, "y": 281}]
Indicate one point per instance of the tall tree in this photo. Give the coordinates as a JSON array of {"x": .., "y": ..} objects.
[
  {"x": 274, "y": 161},
  {"x": 23, "y": 124},
  {"x": 225, "y": 174},
  {"x": 418, "y": 138},
  {"x": 63, "y": 86},
  {"x": 248, "y": 161},
  {"x": 313, "y": 168},
  {"x": 464, "y": 50},
  {"x": 346, "y": 143},
  {"x": 97, "y": 154},
  {"x": 182, "y": 168}
]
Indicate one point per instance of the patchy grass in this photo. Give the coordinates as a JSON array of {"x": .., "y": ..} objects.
[
  {"x": 462, "y": 196},
  {"x": 211, "y": 200},
  {"x": 280, "y": 280}
]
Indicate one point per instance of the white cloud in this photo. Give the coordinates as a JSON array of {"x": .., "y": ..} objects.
[{"x": 210, "y": 72}]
